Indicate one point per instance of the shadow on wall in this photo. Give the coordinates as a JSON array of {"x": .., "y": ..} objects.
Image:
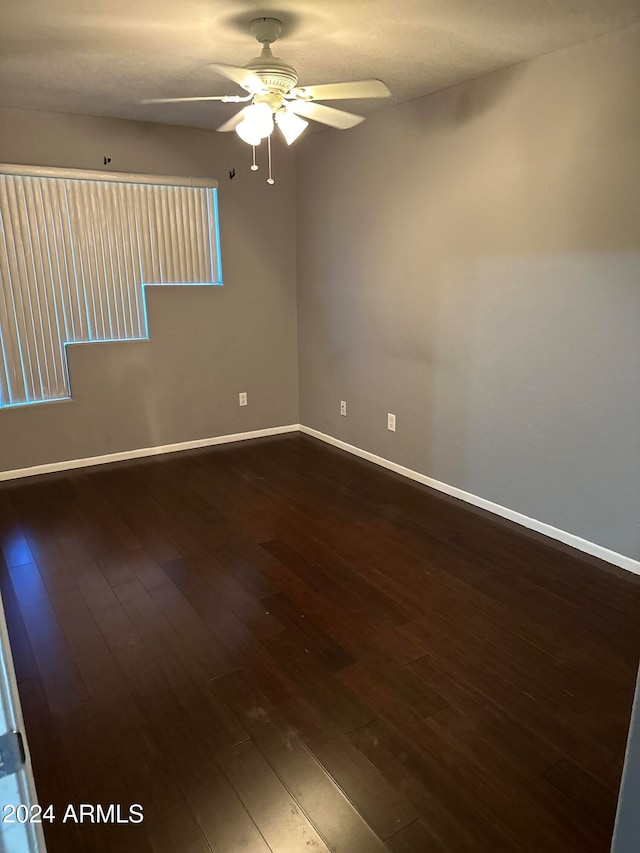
[{"x": 462, "y": 103}]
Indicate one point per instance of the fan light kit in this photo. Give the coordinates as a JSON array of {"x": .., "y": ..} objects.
[{"x": 274, "y": 98}]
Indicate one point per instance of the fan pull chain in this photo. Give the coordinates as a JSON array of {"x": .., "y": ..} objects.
[
  {"x": 270, "y": 178},
  {"x": 254, "y": 165}
]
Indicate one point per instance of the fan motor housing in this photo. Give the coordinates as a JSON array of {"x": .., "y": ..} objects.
[{"x": 274, "y": 72}]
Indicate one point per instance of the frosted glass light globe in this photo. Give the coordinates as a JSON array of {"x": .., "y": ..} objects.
[{"x": 257, "y": 124}]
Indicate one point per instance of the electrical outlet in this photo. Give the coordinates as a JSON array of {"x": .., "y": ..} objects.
[
  {"x": 391, "y": 422},
  {"x": 343, "y": 408},
  {"x": 242, "y": 398}
]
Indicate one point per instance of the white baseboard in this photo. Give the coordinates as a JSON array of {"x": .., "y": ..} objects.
[
  {"x": 577, "y": 542},
  {"x": 533, "y": 524},
  {"x": 139, "y": 453}
]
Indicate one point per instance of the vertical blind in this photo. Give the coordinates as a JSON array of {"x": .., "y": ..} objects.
[{"x": 76, "y": 250}]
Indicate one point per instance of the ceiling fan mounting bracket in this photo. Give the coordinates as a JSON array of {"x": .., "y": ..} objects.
[
  {"x": 266, "y": 30},
  {"x": 276, "y": 75}
]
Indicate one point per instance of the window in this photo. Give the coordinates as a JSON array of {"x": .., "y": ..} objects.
[{"x": 77, "y": 250}]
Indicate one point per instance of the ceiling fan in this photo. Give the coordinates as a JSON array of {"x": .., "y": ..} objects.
[{"x": 273, "y": 94}]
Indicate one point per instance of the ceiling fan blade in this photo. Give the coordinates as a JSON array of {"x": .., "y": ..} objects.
[
  {"x": 325, "y": 115},
  {"x": 233, "y": 122},
  {"x": 338, "y": 91},
  {"x": 242, "y": 76},
  {"x": 226, "y": 99}
]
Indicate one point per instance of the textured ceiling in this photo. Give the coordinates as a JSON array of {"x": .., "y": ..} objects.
[{"x": 102, "y": 58}]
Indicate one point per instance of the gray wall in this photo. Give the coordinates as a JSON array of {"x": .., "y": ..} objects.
[
  {"x": 207, "y": 343},
  {"x": 471, "y": 262},
  {"x": 626, "y": 836}
]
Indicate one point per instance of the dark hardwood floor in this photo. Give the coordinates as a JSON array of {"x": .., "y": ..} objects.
[{"x": 273, "y": 646}]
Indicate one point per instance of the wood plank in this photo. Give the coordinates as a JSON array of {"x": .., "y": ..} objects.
[
  {"x": 384, "y": 809},
  {"x": 276, "y": 813},
  {"x": 375, "y": 800},
  {"x": 307, "y": 631},
  {"x": 324, "y": 803},
  {"x": 414, "y": 838}
]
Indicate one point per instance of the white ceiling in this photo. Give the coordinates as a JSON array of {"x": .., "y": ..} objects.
[{"x": 102, "y": 57}]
